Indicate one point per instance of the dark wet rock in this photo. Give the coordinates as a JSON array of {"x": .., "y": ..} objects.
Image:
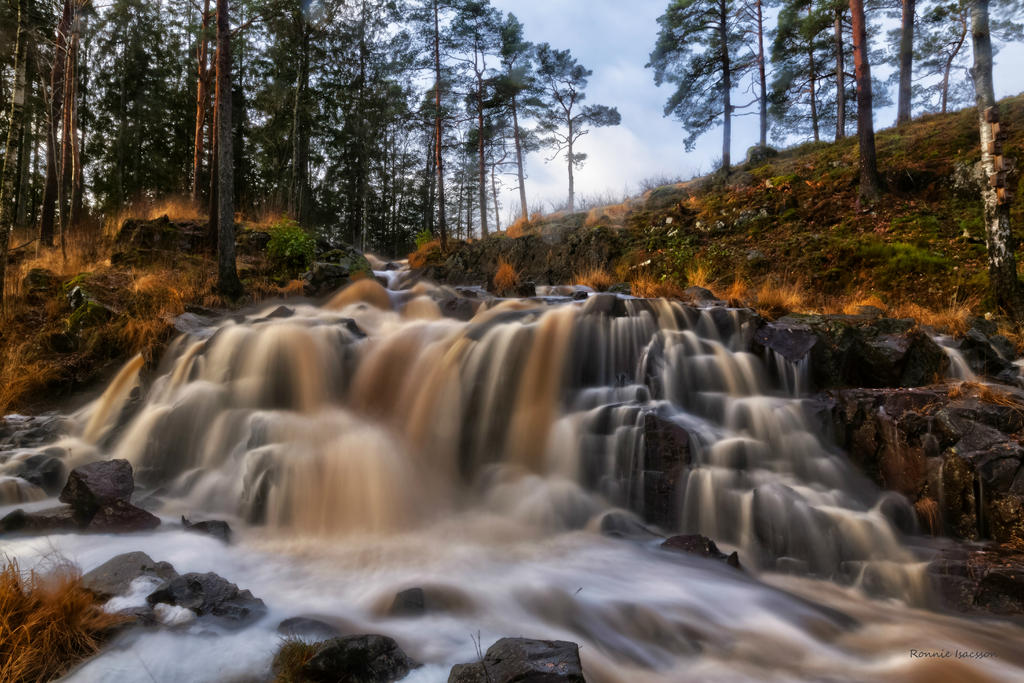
[
  {"x": 122, "y": 516},
  {"x": 60, "y": 518},
  {"x": 46, "y": 470},
  {"x": 979, "y": 579},
  {"x": 23, "y": 431},
  {"x": 279, "y": 313},
  {"x": 410, "y": 602},
  {"x": 96, "y": 484},
  {"x": 522, "y": 660},
  {"x": 359, "y": 659},
  {"x": 695, "y": 544},
  {"x": 666, "y": 457},
  {"x": 698, "y": 294},
  {"x": 218, "y": 529},
  {"x": 334, "y": 268},
  {"x": 857, "y": 350},
  {"x": 251, "y": 243},
  {"x": 209, "y": 595},
  {"x": 114, "y": 577},
  {"x": 988, "y": 356},
  {"x": 458, "y": 307},
  {"x": 955, "y": 452},
  {"x": 306, "y": 627}
]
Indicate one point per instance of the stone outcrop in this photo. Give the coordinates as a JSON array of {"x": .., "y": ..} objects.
[
  {"x": 955, "y": 451},
  {"x": 513, "y": 660}
]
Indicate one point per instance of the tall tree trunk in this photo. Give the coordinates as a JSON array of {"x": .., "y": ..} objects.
[
  {"x": 9, "y": 175},
  {"x": 227, "y": 275},
  {"x": 494, "y": 196},
  {"x": 438, "y": 138},
  {"x": 65, "y": 176},
  {"x": 202, "y": 100},
  {"x": 762, "y": 79},
  {"x": 906, "y": 62},
  {"x": 75, "y": 208},
  {"x": 1002, "y": 263},
  {"x": 949, "y": 62},
  {"x": 572, "y": 184},
  {"x": 869, "y": 181},
  {"x": 481, "y": 146},
  {"x": 839, "y": 45},
  {"x": 814, "y": 95},
  {"x": 519, "y": 160},
  {"x": 53, "y": 126},
  {"x": 23, "y": 197},
  {"x": 723, "y": 29},
  {"x": 297, "y": 185}
]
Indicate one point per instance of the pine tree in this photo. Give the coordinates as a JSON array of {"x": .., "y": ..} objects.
[{"x": 565, "y": 119}]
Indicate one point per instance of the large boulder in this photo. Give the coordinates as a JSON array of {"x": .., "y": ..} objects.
[
  {"x": 522, "y": 660},
  {"x": 60, "y": 518},
  {"x": 115, "y": 576},
  {"x": 359, "y": 659},
  {"x": 334, "y": 268},
  {"x": 144, "y": 241},
  {"x": 122, "y": 516},
  {"x": 209, "y": 595},
  {"x": 97, "y": 484}
]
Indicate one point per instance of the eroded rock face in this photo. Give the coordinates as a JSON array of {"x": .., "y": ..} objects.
[
  {"x": 359, "y": 659},
  {"x": 958, "y": 458},
  {"x": 515, "y": 660},
  {"x": 666, "y": 459},
  {"x": 981, "y": 579},
  {"x": 857, "y": 351}
]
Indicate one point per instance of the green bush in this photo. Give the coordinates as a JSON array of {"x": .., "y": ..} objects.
[
  {"x": 291, "y": 249},
  {"x": 424, "y": 237}
]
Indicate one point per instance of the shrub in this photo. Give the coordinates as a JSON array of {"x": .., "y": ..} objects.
[
  {"x": 423, "y": 237},
  {"x": 506, "y": 279},
  {"x": 291, "y": 249},
  {"x": 598, "y": 279},
  {"x": 48, "y": 623}
]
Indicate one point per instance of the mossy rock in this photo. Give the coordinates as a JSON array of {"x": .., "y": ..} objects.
[{"x": 89, "y": 314}]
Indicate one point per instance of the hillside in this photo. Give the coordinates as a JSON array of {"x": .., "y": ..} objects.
[{"x": 790, "y": 227}]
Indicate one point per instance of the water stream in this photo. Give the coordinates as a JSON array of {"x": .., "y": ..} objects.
[{"x": 369, "y": 445}]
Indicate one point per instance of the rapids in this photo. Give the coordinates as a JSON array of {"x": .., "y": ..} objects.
[{"x": 370, "y": 444}]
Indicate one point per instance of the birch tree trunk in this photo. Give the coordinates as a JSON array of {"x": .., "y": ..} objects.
[{"x": 1002, "y": 262}]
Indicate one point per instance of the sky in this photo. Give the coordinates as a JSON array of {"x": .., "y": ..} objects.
[{"x": 614, "y": 38}]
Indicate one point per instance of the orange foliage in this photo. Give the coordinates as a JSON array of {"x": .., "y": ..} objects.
[
  {"x": 506, "y": 279},
  {"x": 598, "y": 279}
]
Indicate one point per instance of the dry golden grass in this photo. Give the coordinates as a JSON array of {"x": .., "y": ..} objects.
[
  {"x": 953, "y": 317},
  {"x": 928, "y": 514},
  {"x": 613, "y": 214},
  {"x": 598, "y": 279},
  {"x": 425, "y": 254},
  {"x": 646, "y": 286},
  {"x": 855, "y": 303},
  {"x": 984, "y": 393},
  {"x": 519, "y": 227},
  {"x": 506, "y": 279},
  {"x": 738, "y": 292},
  {"x": 698, "y": 274},
  {"x": 48, "y": 622},
  {"x": 778, "y": 297},
  {"x": 291, "y": 658}
]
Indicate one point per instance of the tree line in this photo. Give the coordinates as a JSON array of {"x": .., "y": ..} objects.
[
  {"x": 380, "y": 120},
  {"x": 372, "y": 120}
]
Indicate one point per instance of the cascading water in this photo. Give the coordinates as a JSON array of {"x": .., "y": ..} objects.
[{"x": 377, "y": 443}]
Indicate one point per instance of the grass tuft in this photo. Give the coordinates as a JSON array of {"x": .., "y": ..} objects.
[
  {"x": 48, "y": 623},
  {"x": 598, "y": 279},
  {"x": 506, "y": 279},
  {"x": 291, "y": 658}
]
